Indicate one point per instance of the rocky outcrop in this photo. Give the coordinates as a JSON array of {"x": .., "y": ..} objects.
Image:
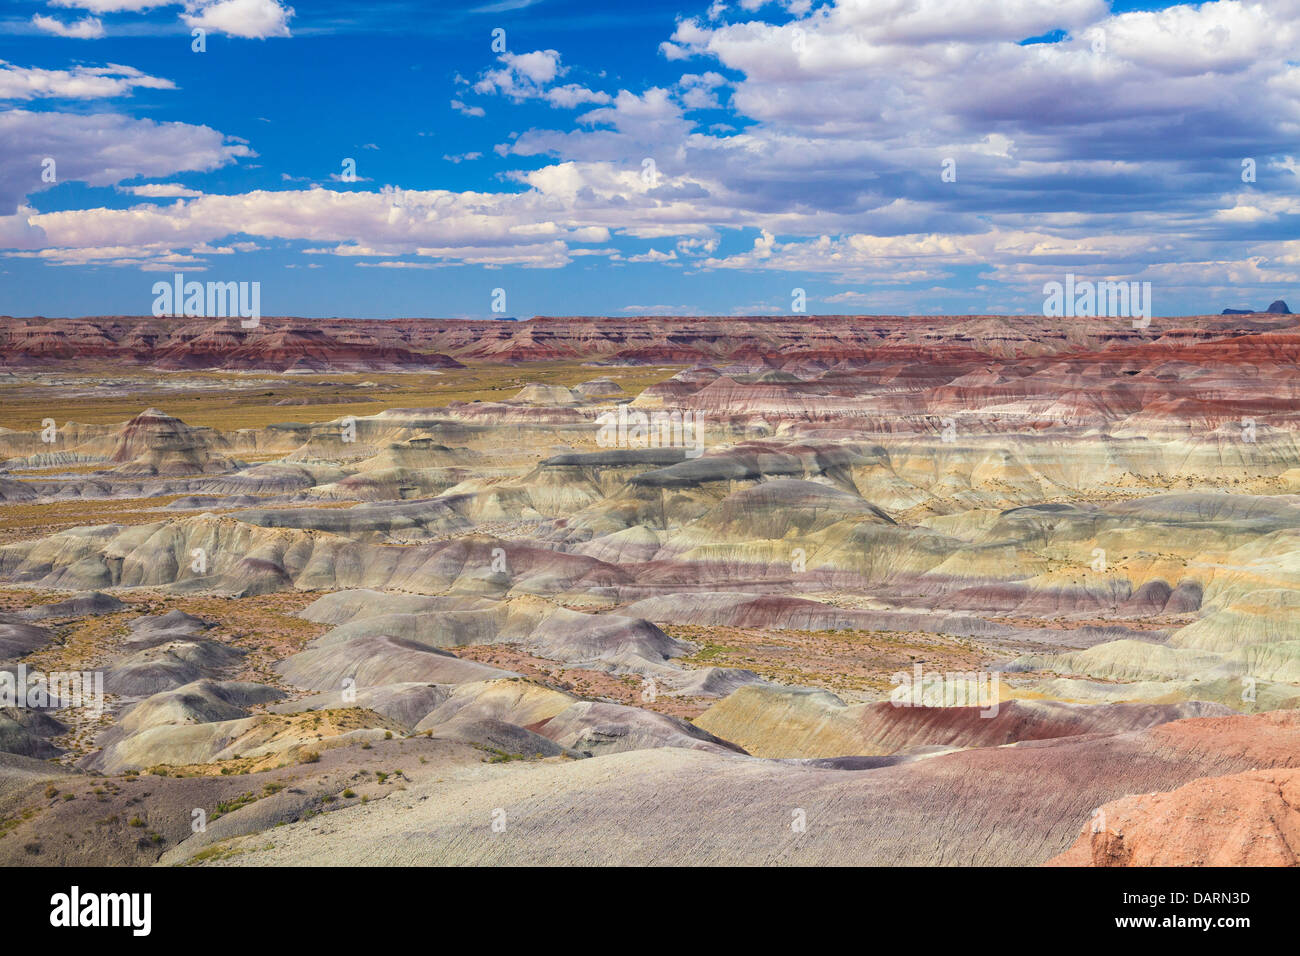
[{"x": 1245, "y": 819}]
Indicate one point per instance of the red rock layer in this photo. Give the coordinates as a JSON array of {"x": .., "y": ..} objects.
[{"x": 810, "y": 342}]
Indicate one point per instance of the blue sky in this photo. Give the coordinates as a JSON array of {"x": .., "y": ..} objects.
[{"x": 618, "y": 159}]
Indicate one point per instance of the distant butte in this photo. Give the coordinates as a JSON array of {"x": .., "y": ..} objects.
[{"x": 1278, "y": 307}]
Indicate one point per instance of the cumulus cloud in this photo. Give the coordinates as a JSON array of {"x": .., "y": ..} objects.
[
  {"x": 1124, "y": 138},
  {"x": 525, "y": 76},
  {"x": 81, "y": 82},
  {"x": 536, "y": 227},
  {"x": 487, "y": 229},
  {"x": 252, "y": 19},
  {"x": 698, "y": 90},
  {"x": 1112, "y": 147},
  {"x": 653, "y": 255},
  {"x": 460, "y": 107},
  {"x": 571, "y": 94},
  {"x": 661, "y": 309},
  {"x": 112, "y": 6},
  {"x": 101, "y": 149},
  {"x": 161, "y": 191},
  {"x": 87, "y": 28},
  {"x": 17, "y": 231}
]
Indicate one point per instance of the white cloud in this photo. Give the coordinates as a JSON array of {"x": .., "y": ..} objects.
[
  {"x": 161, "y": 191},
  {"x": 698, "y": 90},
  {"x": 81, "y": 82},
  {"x": 17, "y": 231},
  {"x": 482, "y": 228},
  {"x": 702, "y": 246},
  {"x": 660, "y": 309},
  {"x": 652, "y": 255},
  {"x": 571, "y": 95},
  {"x": 101, "y": 149},
  {"x": 251, "y": 19},
  {"x": 540, "y": 66},
  {"x": 399, "y": 264},
  {"x": 527, "y": 76},
  {"x": 112, "y": 6},
  {"x": 524, "y": 74},
  {"x": 1123, "y": 161},
  {"x": 460, "y": 107},
  {"x": 87, "y": 28}
]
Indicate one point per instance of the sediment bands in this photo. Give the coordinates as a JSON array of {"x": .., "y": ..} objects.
[{"x": 418, "y": 569}]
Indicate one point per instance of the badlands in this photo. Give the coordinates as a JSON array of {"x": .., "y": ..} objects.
[{"x": 931, "y": 591}]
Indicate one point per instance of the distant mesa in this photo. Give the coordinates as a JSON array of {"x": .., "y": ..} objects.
[
  {"x": 1279, "y": 307},
  {"x": 779, "y": 353}
]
